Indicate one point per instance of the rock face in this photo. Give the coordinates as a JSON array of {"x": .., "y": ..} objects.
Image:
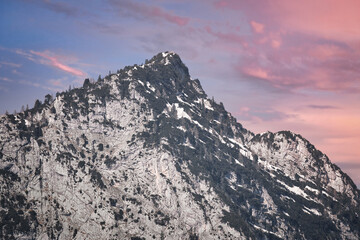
[{"x": 144, "y": 154}]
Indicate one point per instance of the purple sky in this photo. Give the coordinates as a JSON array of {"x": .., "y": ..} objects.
[{"x": 280, "y": 64}]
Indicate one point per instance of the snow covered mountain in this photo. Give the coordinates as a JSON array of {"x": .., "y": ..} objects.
[{"x": 144, "y": 154}]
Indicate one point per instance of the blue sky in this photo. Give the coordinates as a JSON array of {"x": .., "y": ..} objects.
[{"x": 275, "y": 65}]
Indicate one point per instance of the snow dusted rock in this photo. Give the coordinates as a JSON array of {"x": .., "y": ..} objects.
[
  {"x": 144, "y": 154},
  {"x": 299, "y": 160}
]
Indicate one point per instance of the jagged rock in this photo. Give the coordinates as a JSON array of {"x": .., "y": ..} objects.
[{"x": 144, "y": 154}]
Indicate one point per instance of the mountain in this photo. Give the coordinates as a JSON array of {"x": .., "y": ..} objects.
[{"x": 145, "y": 154}]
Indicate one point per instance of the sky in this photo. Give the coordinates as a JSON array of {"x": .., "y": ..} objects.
[{"x": 276, "y": 65}]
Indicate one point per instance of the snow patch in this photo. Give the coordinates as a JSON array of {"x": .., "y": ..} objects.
[
  {"x": 312, "y": 190},
  {"x": 268, "y": 166},
  {"x": 216, "y": 121},
  {"x": 181, "y": 128},
  {"x": 311, "y": 211},
  {"x": 208, "y": 105},
  {"x": 182, "y": 101},
  {"x": 27, "y": 123},
  {"x": 237, "y": 162},
  {"x": 181, "y": 112},
  {"x": 296, "y": 190},
  {"x": 326, "y": 194},
  {"x": 150, "y": 87},
  {"x": 187, "y": 144},
  {"x": 165, "y": 54},
  {"x": 266, "y": 231}
]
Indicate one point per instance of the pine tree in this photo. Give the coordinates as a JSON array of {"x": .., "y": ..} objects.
[
  {"x": 86, "y": 83},
  {"x": 48, "y": 99},
  {"x": 37, "y": 104}
]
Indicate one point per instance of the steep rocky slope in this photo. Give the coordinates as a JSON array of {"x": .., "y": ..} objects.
[{"x": 144, "y": 154}]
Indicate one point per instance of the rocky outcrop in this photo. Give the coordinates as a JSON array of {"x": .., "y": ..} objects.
[{"x": 144, "y": 154}]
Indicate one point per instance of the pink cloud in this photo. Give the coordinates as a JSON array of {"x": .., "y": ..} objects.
[
  {"x": 314, "y": 64},
  {"x": 327, "y": 51},
  {"x": 325, "y": 18},
  {"x": 148, "y": 12},
  {"x": 221, "y": 4},
  {"x": 159, "y": 13},
  {"x": 271, "y": 77},
  {"x": 275, "y": 43},
  {"x": 257, "y": 27},
  {"x": 231, "y": 42},
  {"x": 54, "y": 62},
  {"x": 256, "y": 72}
]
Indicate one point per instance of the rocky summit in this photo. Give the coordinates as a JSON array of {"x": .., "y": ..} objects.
[{"x": 145, "y": 154}]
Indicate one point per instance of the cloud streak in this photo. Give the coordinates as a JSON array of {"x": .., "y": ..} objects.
[
  {"x": 50, "y": 59},
  {"x": 141, "y": 10},
  {"x": 10, "y": 64},
  {"x": 5, "y": 79},
  {"x": 56, "y": 6},
  {"x": 55, "y": 62},
  {"x": 322, "y": 106}
]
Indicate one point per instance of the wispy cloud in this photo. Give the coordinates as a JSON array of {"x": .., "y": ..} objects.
[
  {"x": 49, "y": 58},
  {"x": 302, "y": 47},
  {"x": 142, "y": 10},
  {"x": 5, "y": 79},
  {"x": 261, "y": 115},
  {"x": 10, "y": 64},
  {"x": 322, "y": 107},
  {"x": 56, "y": 6},
  {"x": 55, "y": 62}
]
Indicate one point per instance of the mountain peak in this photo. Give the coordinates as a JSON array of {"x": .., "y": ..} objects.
[
  {"x": 168, "y": 53},
  {"x": 165, "y": 73},
  {"x": 136, "y": 152},
  {"x": 167, "y": 58}
]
